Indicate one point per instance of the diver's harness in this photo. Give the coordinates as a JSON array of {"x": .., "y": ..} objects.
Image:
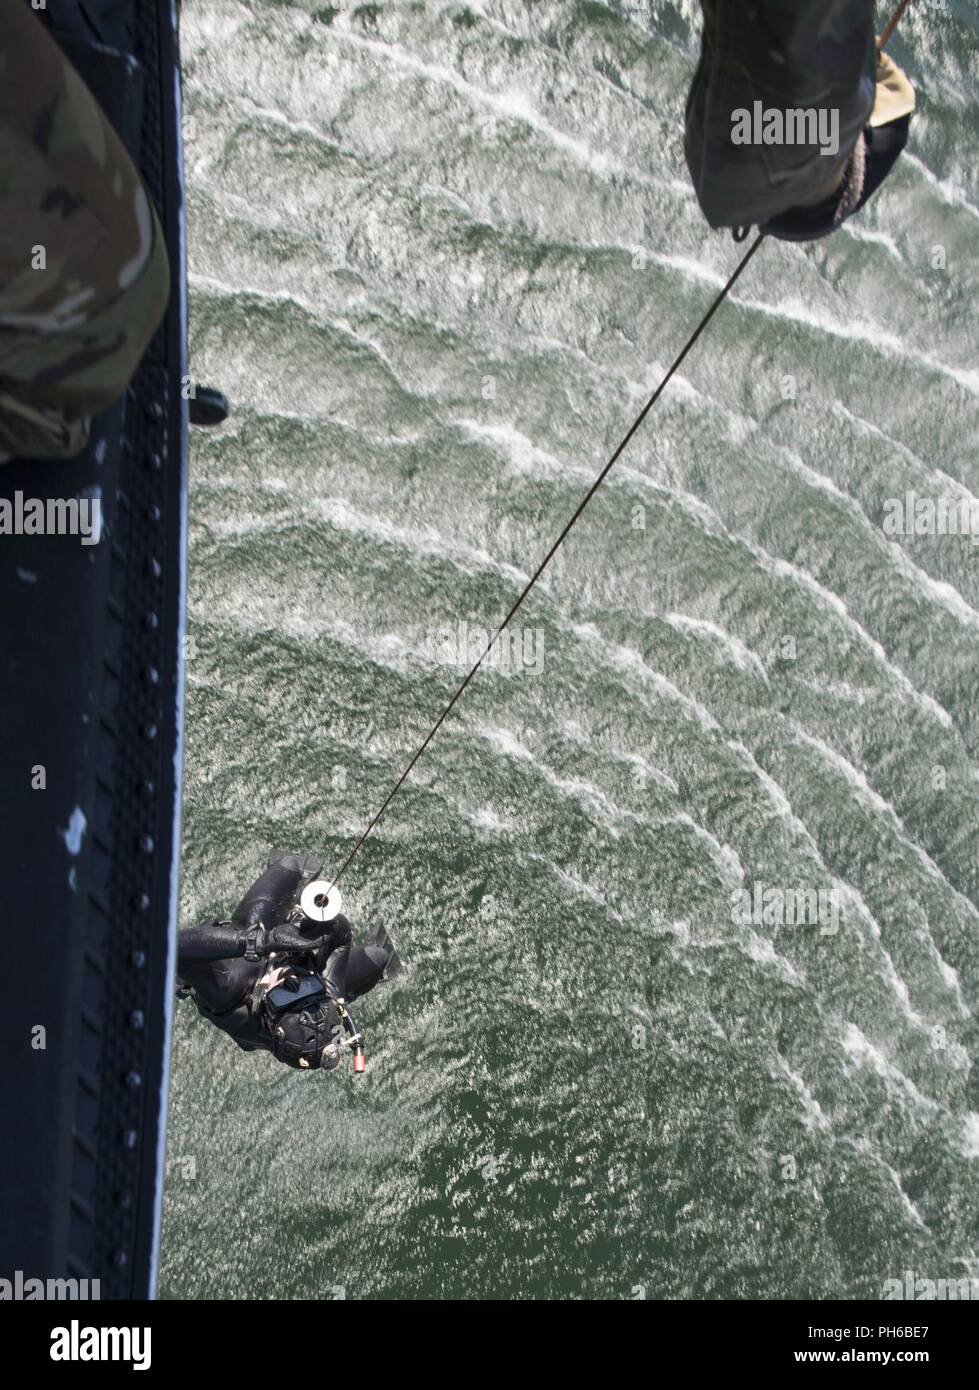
[
  {"x": 306, "y": 989},
  {"x": 303, "y": 990}
]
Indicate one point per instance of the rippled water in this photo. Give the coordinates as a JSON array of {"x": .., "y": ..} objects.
[{"x": 439, "y": 255}]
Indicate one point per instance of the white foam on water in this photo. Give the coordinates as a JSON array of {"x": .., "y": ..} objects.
[
  {"x": 814, "y": 1117},
  {"x": 937, "y": 591},
  {"x": 868, "y": 796},
  {"x": 724, "y": 858},
  {"x": 778, "y": 798},
  {"x": 762, "y": 950},
  {"x": 629, "y": 660},
  {"x": 590, "y": 797},
  {"x": 847, "y": 890},
  {"x": 854, "y": 777},
  {"x": 581, "y": 889},
  {"x": 873, "y": 238},
  {"x": 892, "y": 445},
  {"x": 793, "y": 311},
  {"x": 882, "y": 341},
  {"x": 691, "y": 269},
  {"x": 521, "y": 453},
  {"x": 783, "y": 570},
  {"x": 957, "y": 488},
  {"x": 222, "y": 289},
  {"x": 525, "y": 457},
  {"x": 854, "y": 898},
  {"x": 950, "y": 976},
  {"x": 487, "y": 819},
  {"x": 703, "y": 515},
  {"x": 506, "y": 743},
  {"x": 970, "y": 1135},
  {"x": 511, "y": 105},
  {"x": 646, "y": 768},
  {"x": 736, "y": 651},
  {"x": 419, "y": 540},
  {"x": 949, "y": 191},
  {"x": 861, "y": 1053}
]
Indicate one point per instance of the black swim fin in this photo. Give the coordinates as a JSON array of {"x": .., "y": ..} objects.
[
  {"x": 380, "y": 936},
  {"x": 309, "y": 865}
]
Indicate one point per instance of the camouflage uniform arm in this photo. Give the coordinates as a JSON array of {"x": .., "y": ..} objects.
[{"x": 84, "y": 273}]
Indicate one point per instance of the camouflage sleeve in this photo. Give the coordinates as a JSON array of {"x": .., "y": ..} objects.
[
  {"x": 84, "y": 276},
  {"x": 780, "y": 97}
]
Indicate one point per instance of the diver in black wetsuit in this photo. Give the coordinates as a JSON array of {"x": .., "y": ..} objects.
[{"x": 276, "y": 979}]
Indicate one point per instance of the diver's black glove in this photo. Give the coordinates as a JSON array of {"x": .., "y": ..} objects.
[
  {"x": 297, "y": 935},
  {"x": 286, "y": 937},
  {"x": 225, "y": 940}
]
